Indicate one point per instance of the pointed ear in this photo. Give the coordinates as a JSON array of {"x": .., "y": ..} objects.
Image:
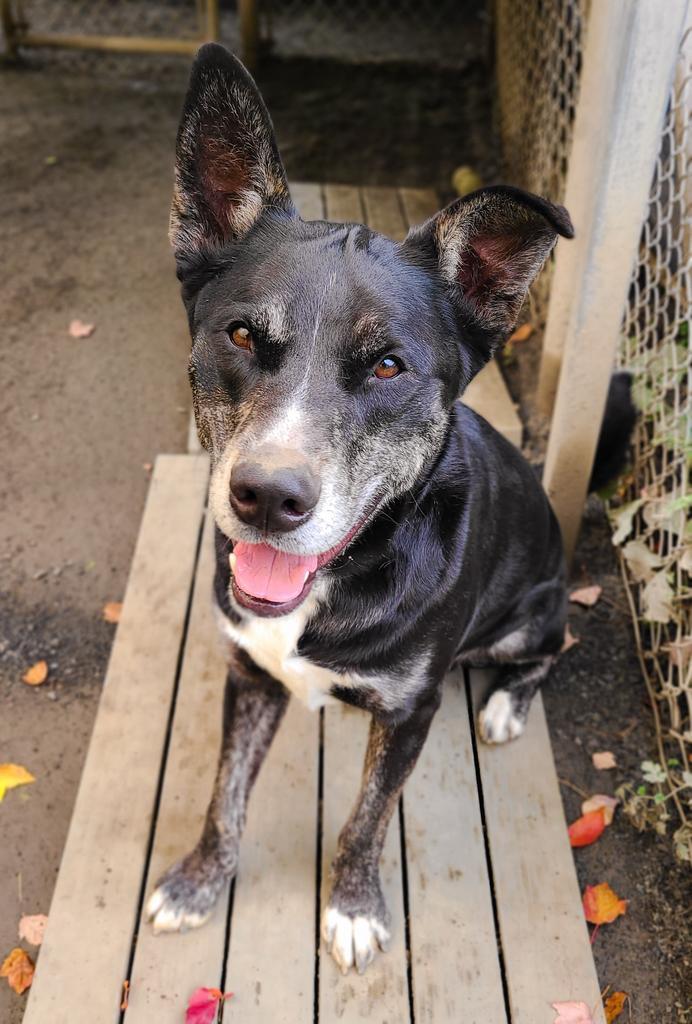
[
  {"x": 489, "y": 247},
  {"x": 228, "y": 167}
]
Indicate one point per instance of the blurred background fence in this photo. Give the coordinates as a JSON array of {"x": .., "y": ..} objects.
[{"x": 539, "y": 46}]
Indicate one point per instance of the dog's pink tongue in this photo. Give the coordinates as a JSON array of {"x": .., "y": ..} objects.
[{"x": 269, "y": 574}]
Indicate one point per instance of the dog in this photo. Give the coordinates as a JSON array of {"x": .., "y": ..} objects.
[{"x": 371, "y": 531}]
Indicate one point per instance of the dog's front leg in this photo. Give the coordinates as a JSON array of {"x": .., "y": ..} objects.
[
  {"x": 356, "y": 920},
  {"x": 253, "y": 708}
]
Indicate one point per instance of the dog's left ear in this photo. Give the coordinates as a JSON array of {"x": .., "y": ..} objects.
[
  {"x": 228, "y": 169},
  {"x": 489, "y": 247}
]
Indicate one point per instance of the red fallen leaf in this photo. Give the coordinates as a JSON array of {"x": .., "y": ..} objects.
[
  {"x": 204, "y": 1005},
  {"x": 18, "y": 968},
  {"x": 587, "y": 596},
  {"x": 588, "y": 828},
  {"x": 602, "y": 905},
  {"x": 78, "y": 329},
  {"x": 572, "y": 1013},
  {"x": 608, "y": 803},
  {"x": 614, "y": 1006}
]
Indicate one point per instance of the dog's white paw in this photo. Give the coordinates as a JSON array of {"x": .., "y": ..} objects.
[
  {"x": 353, "y": 940},
  {"x": 168, "y": 914},
  {"x": 497, "y": 721}
]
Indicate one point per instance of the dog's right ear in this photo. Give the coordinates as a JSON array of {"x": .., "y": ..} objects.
[{"x": 228, "y": 168}]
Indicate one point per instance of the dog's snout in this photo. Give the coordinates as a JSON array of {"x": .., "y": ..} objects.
[{"x": 272, "y": 492}]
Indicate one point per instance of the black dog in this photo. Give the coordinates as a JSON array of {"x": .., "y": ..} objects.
[{"x": 371, "y": 530}]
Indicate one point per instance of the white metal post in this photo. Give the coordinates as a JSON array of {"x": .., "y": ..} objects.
[{"x": 629, "y": 63}]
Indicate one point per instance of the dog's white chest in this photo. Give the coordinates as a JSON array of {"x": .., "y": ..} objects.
[{"x": 272, "y": 643}]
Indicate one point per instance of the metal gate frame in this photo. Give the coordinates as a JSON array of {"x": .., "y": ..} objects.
[{"x": 18, "y": 34}]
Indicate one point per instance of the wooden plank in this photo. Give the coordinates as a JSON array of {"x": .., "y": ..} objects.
[
  {"x": 271, "y": 961},
  {"x": 381, "y": 994},
  {"x": 454, "y": 957},
  {"x": 344, "y": 204},
  {"x": 168, "y": 968},
  {"x": 418, "y": 204},
  {"x": 487, "y": 395},
  {"x": 383, "y": 212},
  {"x": 542, "y": 927},
  {"x": 308, "y": 199},
  {"x": 86, "y": 951}
]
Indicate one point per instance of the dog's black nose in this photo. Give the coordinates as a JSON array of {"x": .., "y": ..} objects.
[{"x": 274, "y": 493}]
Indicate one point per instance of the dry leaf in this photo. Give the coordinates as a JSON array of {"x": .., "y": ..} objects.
[
  {"x": 607, "y": 803},
  {"x": 125, "y": 999},
  {"x": 680, "y": 651},
  {"x": 32, "y": 927},
  {"x": 18, "y": 968},
  {"x": 78, "y": 329},
  {"x": 602, "y": 905},
  {"x": 657, "y": 599},
  {"x": 37, "y": 674},
  {"x": 572, "y": 1013},
  {"x": 640, "y": 561},
  {"x": 12, "y": 775},
  {"x": 623, "y": 519},
  {"x": 204, "y": 1004},
  {"x": 587, "y": 596},
  {"x": 614, "y": 1006},
  {"x": 603, "y": 760},
  {"x": 588, "y": 828},
  {"x": 112, "y": 610},
  {"x": 522, "y": 333},
  {"x": 569, "y": 641}
]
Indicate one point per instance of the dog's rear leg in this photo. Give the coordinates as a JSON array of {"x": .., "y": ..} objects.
[
  {"x": 356, "y": 920},
  {"x": 253, "y": 707},
  {"x": 504, "y": 713}
]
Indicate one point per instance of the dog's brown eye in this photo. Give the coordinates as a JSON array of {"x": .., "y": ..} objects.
[
  {"x": 388, "y": 367},
  {"x": 241, "y": 337}
]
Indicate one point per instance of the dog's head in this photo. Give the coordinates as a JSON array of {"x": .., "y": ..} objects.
[{"x": 325, "y": 358}]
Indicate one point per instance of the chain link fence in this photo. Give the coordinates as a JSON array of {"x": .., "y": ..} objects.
[
  {"x": 539, "y": 47},
  {"x": 105, "y": 35},
  {"x": 444, "y": 33},
  {"x": 653, "y": 528},
  {"x": 540, "y": 44}
]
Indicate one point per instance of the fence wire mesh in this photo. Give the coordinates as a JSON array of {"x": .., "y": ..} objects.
[
  {"x": 442, "y": 33},
  {"x": 653, "y": 527},
  {"x": 539, "y": 46}
]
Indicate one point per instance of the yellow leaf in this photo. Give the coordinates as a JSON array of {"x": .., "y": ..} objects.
[
  {"x": 602, "y": 905},
  {"x": 18, "y": 968},
  {"x": 12, "y": 775},
  {"x": 614, "y": 1006},
  {"x": 37, "y": 674},
  {"x": 112, "y": 610},
  {"x": 522, "y": 333}
]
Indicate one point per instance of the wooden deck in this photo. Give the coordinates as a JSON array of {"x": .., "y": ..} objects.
[{"x": 487, "y": 919}]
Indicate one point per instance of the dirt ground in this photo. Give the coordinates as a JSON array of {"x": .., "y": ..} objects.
[{"x": 86, "y": 166}]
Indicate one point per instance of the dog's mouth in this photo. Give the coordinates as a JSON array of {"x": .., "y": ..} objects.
[{"x": 270, "y": 582}]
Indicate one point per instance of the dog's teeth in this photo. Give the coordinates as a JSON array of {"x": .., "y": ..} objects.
[{"x": 231, "y": 561}]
